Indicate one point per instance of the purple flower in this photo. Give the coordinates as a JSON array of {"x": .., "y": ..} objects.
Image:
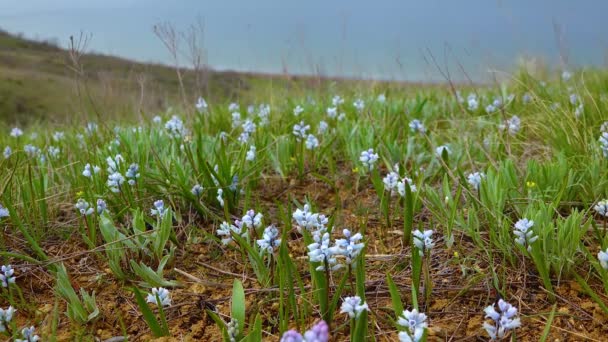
[
  {"x": 292, "y": 336},
  {"x": 318, "y": 333}
]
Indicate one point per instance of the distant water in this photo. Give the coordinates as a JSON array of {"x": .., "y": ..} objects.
[{"x": 388, "y": 39}]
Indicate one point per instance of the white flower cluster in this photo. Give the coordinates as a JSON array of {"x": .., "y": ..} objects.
[
  {"x": 323, "y": 126},
  {"x": 602, "y": 207},
  {"x": 236, "y": 119},
  {"x": 300, "y": 130},
  {"x": 233, "y": 107},
  {"x": 359, "y": 104},
  {"x": 233, "y": 330},
  {"x": 248, "y": 129},
  {"x": 90, "y": 128},
  {"x": 28, "y": 335},
  {"x": 439, "y": 150},
  {"x": 162, "y": 294},
  {"x": 524, "y": 234},
  {"x": 503, "y": 320},
  {"x": 115, "y": 178},
  {"x": 226, "y": 229},
  {"x": 159, "y": 209},
  {"x": 396, "y": 185},
  {"x": 6, "y": 315},
  {"x": 306, "y": 219},
  {"x": 414, "y": 323},
  {"x": 494, "y": 106},
  {"x": 53, "y": 151},
  {"x": 197, "y": 190},
  {"x": 474, "y": 179},
  {"x": 337, "y": 100},
  {"x": 311, "y": 142},
  {"x": 321, "y": 251},
  {"x": 369, "y": 158},
  {"x": 3, "y": 211},
  {"x": 132, "y": 173},
  {"x": 350, "y": 246},
  {"x": 201, "y": 105},
  {"x": 250, "y": 220},
  {"x": 423, "y": 240},
  {"x": 602, "y": 256},
  {"x": 512, "y": 125},
  {"x": 90, "y": 170},
  {"x": 31, "y": 150},
  {"x": 353, "y": 307},
  {"x": 604, "y": 143},
  {"x": 390, "y": 182},
  {"x": 401, "y": 186},
  {"x": 270, "y": 240},
  {"x": 298, "y": 110},
  {"x": 472, "y": 102},
  {"x": 58, "y": 136},
  {"x": 264, "y": 114},
  {"x": 250, "y": 155},
  {"x": 332, "y": 112},
  {"x": 579, "y": 110},
  {"x": 101, "y": 206},
  {"x": 84, "y": 207},
  {"x": 219, "y": 197},
  {"x": 16, "y": 132},
  {"x": 417, "y": 126},
  {"x": 7, "y": 276},
  {"x": 175, "y": 127}
]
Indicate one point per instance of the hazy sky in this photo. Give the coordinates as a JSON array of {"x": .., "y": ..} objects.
[{"x": 387, "y": 39}]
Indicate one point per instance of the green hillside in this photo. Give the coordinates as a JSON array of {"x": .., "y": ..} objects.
[{"x": 38, "y": 82}]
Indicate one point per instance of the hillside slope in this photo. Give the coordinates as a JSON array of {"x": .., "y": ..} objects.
[{"x": 38, "y": 82}]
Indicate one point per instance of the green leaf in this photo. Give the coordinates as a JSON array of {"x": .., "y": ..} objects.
[
  {"x": 237, "y": 308},
  {"x": 416, "y": 275},
  {"x": 591, "y": 293},
  {"x": 256, "y": 332},
  {"x": 149, "y": 317},
  {"x": 547, "y": 329},
  {"x": 149, "y": 277},
  {"x": 395, "y": 296},
  {"x": 408, "y": 215},
  {"x": 220, "y": 323},
  {"x": 336, "y": 297},
  {"x": 361, "y": 328}
]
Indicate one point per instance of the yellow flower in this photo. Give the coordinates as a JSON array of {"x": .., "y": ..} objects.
[
  {"x": 79, "y": 193},
  {"x": 355, "y": 170},
  {"x": 530, "y": 184},
  {"x": 456, "y": 254}
]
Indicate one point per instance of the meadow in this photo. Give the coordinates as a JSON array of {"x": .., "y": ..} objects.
[{"x": 363, "y": 213}]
